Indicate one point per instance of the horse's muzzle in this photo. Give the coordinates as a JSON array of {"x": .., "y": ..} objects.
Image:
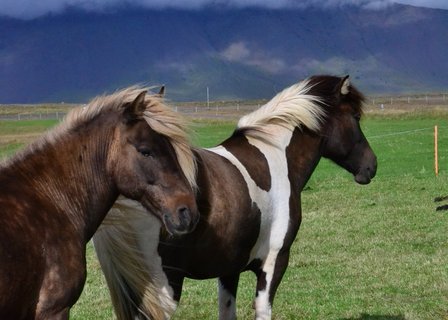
[
  {"x": 182, "y": 222},
  {"x": 365, "y": 174}
]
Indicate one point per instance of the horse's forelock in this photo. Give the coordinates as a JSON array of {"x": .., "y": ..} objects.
[
  {"x": 356, "y": 99},
  {"x": 170, "y": 124},
  {"x": 324, "y": 87}
]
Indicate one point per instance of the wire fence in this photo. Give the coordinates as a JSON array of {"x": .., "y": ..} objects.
[
  {"x": 33, "y": 116},
  {"x": 222, "y": 110},
  {"x": 408, "y": 101},
  {"x": 227, "y": 109}
]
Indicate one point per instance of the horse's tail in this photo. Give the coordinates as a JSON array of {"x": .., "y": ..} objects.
[{"x": 119, "y": 243}]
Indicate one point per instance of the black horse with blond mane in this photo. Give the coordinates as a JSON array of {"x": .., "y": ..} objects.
[
  {"x": 249, "y": 202},
  {"x": 55, "y": 193}
]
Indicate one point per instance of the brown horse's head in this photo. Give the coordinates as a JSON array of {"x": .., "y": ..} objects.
[
  {"x": 152, "y": 161},
  {"x": 344, "y": 142}
]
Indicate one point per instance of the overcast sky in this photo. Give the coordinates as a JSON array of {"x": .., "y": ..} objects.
[{"x": 29, "y": 9}]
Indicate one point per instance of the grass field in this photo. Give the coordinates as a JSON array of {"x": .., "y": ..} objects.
[{"x": 363, "y": 252}]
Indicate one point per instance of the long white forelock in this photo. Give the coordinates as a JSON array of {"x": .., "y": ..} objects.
[{"x": 292, "y": 107}]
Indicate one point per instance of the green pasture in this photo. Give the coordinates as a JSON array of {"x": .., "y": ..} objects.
[{"x": 363, "y": 252}]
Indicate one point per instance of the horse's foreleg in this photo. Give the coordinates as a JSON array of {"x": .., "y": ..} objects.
[
  {"x": 227, "y": 288},
  {"x": 268, "y": 280}
]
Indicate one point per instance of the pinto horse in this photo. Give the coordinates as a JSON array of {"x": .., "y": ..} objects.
[
  {"x": 55, "y": 193},
  {"x": 249, "y": 202}
]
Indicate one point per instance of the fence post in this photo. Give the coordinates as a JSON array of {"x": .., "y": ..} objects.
[{"x": 436, "y": 152}]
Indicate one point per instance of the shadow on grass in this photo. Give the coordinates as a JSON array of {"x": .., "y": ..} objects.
[{"x": 365, "y": 316}]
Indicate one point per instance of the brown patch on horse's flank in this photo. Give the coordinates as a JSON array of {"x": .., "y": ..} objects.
[{"x": 246, "y": 153}]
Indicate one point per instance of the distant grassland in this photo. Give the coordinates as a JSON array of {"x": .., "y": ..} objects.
[
  {"x": 16, "y": 134},
  {"x": 363, "y": 252}
]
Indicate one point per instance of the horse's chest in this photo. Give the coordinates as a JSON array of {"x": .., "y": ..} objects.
[{"x": 274, "y": 214}]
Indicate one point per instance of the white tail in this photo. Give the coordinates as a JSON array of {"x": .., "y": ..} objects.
[{"x": 133, "y": 271}]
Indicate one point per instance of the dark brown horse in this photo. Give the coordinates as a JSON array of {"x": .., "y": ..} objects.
[
  {"x": 56, "y": 192},
  {"x": 249, "y": 200}
]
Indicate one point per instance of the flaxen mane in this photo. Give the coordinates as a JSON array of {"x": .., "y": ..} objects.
[
  {"x": 158, "y": 116},
  {"x": 293, "y": 107}
]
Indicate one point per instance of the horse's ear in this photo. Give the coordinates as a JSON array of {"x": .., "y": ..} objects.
[
  {"x": 345, "y": 85},
  {"x": 161, "y": 93},
  {"x": 135, "y": 109}
]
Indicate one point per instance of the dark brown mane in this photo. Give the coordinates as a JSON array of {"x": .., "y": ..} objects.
[{"x": 324, "y": 86}]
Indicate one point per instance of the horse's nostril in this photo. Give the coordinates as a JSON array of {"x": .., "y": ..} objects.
[
  {"x": 183, "y": 211},
  {"x": 184, "y": 215}
]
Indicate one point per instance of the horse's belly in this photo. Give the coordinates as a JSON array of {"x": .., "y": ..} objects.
[{"x": 209, "y": 258}]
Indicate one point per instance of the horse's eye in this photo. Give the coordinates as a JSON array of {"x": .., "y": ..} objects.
[
  {"x": 145, "y": 152},
  {"x": 358, "y": 117}
]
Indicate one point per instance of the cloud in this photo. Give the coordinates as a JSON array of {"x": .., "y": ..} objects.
[
  {"x": 439, "y": 4},
  {"x": 29, "y": 9},
  {"x": 240, "y": 52},
  {"x": 237, "y": 51}
]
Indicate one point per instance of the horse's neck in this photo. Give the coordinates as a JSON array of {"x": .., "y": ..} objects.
[
  {"x": 303, "y": 155},
  {"x": 70, "y": 174}
]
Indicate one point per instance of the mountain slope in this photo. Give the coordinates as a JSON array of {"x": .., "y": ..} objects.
[{"x": 246, "y": 53}]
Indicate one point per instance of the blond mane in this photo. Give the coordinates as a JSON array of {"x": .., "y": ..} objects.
[
  {"x": 159, "y": 117},
  {"x": 293, "y": 107}
]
